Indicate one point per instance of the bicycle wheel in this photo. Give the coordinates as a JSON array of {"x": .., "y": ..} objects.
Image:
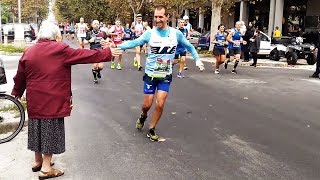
[{"x": 12, "y": 117}]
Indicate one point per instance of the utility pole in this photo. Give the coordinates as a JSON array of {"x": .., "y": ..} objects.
[
  {"x": 0, "y": 25},
  {"x": 19, "y": 10}
]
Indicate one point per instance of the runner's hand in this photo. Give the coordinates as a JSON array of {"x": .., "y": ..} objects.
[
  {"x": 107, "y": 43},
  {"x": 92, "y": 40},
  {"x": 116, "y": 52},
  {"x": 200, "y": 65}
]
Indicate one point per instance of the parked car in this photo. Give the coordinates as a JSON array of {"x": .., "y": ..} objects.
[
  {"x": 194, "y": 38},
  {"x": 29, "y": 33},
  {"x": 204, "y": 41},
  {"x": 265, "y": 44}
]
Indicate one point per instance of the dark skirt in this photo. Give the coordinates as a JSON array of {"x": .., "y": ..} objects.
[{"x": 46, "y": 136}]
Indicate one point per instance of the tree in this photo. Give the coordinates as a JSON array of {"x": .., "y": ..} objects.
[
  {"x": 5, "y": 13},
  {"x": 135, "y": 5},
  {"x": 102, "y": 10},
  {"x": 31, "y": 10},
  {"x": 177, "y": 7}
]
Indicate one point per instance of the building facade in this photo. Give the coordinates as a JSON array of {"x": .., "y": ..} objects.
[{"x": 291, "y": 16}]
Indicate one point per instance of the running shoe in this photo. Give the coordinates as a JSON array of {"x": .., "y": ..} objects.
[
  {"x": 152, "y": 135},
  {"x": 119, "y": 67},
  {"x": 234, "y": 71},
  {"x": 180, "y": 75},
  {"x": 185, "y": 68},
  {"x": 135, "y": 62},
  {"x": 217, "y": 71},
  {"x": 112, "y": 65},
  {"x": 140, "y": 122},
  {"x": 139, "y": 68}
]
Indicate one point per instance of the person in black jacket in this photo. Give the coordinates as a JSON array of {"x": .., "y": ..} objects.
[
  {"x": 248, "y": 35},
  {"x": 255, "y": 47},
  {"x": 317, "y": 72}
]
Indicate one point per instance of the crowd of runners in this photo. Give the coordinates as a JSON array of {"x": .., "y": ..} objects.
[{"x": 164, "y": 47}]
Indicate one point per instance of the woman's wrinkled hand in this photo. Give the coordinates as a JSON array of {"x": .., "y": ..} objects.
[
  {"x": 108, "y": 43},
  {"x": 116, "y": 52}
]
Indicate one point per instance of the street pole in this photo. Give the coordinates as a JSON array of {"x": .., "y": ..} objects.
[
  {"x": 19, "y": 10},
  {"x": 0, "y": 25}
]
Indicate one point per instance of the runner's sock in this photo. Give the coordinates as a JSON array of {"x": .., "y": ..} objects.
[{"x": 236, "y": 64}]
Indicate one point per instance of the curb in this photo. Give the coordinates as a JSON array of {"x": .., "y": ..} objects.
[
  {"x": 10, "y": 54},
  {"x": 211, "y": 59}
]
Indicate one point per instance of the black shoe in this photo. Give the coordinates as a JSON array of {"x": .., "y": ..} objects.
[
  {"x": 314, "y": 76},
  {"x": 95, "y": 80},
  {"x": 253, "y": 65},
  {"x": 139, "y": 68},
  {"x": 234, "y": 71}
]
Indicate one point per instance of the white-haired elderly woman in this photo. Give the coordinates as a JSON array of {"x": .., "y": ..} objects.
[{"x": 44, "y": 71}]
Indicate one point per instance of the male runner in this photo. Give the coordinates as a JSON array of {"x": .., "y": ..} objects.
[
  {"x": 162, "y": 41},
  {"x": 81, "y": 29},
  {"x": 72, "y": 30},
  {"x": 188, "y": 26},
  {"x": 234, "y": 39},
  {"x": 67, "y": 29},
  {"x": 181, "y": 51},
  {"x": 94, "y": 38},
  {"x": 117, "y": 33},
  {"x": 138, "y": 29}
]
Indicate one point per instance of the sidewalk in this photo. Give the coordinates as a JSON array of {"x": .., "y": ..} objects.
[{"x": 301, "y": 64}]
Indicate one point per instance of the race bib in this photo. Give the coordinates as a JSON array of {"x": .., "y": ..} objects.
[
  {"x": 236, "y": 44},
  {"x": 82, "y": 32},
  {"x": 162, "y": 67},
  {"x": 221, "y": 42}
]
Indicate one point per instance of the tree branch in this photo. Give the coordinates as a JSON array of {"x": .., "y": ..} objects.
[{"x": 139, "y": 7}]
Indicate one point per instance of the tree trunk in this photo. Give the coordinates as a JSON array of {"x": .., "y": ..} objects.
[{"x": 215, "y": 19}]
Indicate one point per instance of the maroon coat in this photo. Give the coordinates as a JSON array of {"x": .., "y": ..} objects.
[{"x": 45, "y": 72}]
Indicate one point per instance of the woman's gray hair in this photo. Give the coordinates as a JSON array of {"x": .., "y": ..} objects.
[{"x": 48, "y": 30}]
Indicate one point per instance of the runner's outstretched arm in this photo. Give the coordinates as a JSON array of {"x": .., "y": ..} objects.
[
  {"x": 143, "y": 39},
  {"x": 184, "y": 42}
]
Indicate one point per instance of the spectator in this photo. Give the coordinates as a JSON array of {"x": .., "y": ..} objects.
[
  {"x": 255, "y": 47},
  {"x": 44, "y": 71},
  {"x": 246, "y": 38},
  {"x": 277, "y": 33}
]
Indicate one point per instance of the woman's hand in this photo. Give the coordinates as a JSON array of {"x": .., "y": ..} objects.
[
  {"x": 116, "y": 52},
  {"x": 107, "y": 43}
]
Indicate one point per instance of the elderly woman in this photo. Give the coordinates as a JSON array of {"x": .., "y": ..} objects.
[{"x": 44, "y": 71}]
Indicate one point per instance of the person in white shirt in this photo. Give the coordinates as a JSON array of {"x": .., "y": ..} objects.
[
  {"x": 188, "y": 26},
  {"x": 81, "y": 30}
]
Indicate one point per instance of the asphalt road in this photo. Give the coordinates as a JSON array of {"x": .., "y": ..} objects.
[{"x": 259, "y": 124}]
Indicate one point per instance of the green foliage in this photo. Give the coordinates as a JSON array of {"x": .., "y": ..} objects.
[
  {"x": 72, "y": 10},
  {"x": 31, "y": 10},
  {"x": 11, "y": 49}
]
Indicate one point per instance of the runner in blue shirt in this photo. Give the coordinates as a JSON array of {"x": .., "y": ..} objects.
[
  {"x": 181, "y": 51},
  {"x": 219, "y": 40},
  {"x": 234, "y": 38},
  {"x": 162, "y": 42}
]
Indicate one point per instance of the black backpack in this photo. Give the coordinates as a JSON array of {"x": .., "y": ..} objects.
[{"x": 3, "y": 79}]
